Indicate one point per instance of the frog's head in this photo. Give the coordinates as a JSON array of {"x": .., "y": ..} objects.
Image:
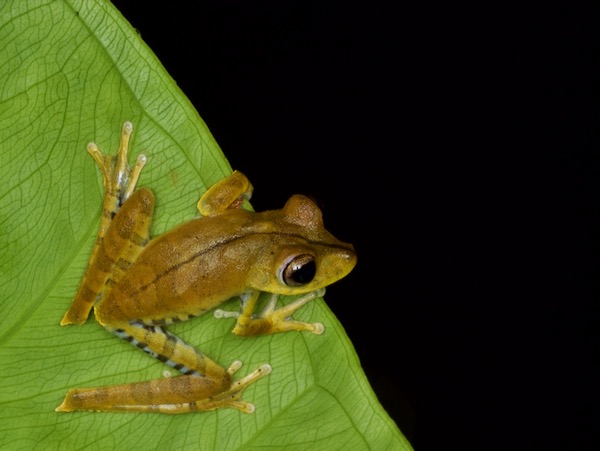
[{"x": 301, "y": 256}]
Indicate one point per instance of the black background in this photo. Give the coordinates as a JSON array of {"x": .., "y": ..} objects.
[{"x": 457, "y": 148}]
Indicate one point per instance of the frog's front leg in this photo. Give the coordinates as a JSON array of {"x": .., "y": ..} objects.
[
  {"x": 271, "y": 319},
  {"x": 205, "y": 384},
  {"x": 228, "y": 193},
  {"x": 119, "y": 184}
]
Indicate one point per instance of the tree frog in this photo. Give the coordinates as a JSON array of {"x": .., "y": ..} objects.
[{"x": 137, "y": 286}]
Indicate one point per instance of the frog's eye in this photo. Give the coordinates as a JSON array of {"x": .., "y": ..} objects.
[{"x": 299, "y": 271}]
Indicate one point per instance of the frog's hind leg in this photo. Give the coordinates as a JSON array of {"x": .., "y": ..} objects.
[
  {"x": 204, "y": 385},
  {"x": 181, "y": 394},
  {"x": 171, "y": 350},
  {"x": 119, "y": 184}
]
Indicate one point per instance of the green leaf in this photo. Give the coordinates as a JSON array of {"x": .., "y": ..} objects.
[{"x": 71, "y": 72}]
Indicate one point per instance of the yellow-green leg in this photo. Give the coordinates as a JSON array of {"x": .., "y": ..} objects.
[
  {"x": 173, "y": 395},
  {"x": 119, "y": 184},
  {"x": 271, "y": 319}
]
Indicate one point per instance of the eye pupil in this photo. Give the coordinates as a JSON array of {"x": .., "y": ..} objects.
[{"x": 300, "y": 271}]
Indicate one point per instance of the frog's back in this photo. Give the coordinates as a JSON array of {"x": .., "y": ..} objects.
[{"x": 183, "y": 272}]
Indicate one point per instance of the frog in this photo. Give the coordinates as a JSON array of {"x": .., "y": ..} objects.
[{"x": 137, "y": 285}]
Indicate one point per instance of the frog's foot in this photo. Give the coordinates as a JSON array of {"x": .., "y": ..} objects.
[
  {"x": 231, "y": 397},
  {"x": 181, "y": 394},
  {"x": 272, "y": 319},
  {"x": 119, "y": 178}
]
